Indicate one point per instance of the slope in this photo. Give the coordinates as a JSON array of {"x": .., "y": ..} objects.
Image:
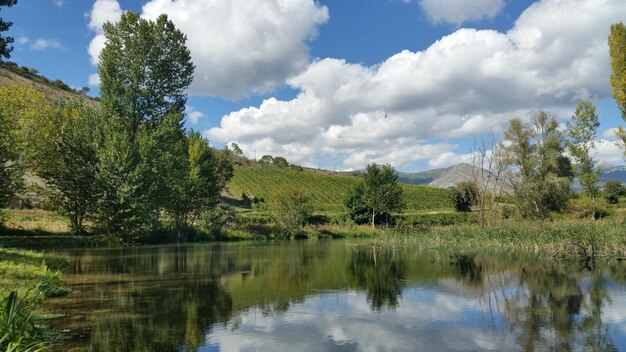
[{"x": 327, "y": 189}]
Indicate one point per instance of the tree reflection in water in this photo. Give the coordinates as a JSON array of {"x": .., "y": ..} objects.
[{"x": 174, "y": 298}]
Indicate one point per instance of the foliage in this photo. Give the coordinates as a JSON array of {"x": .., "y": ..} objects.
[
  {"x": 582, "y": 134},
  {"x": 25, "y": 129},
  {"x": 593, "y": 209},
  {"x": 357, "y": 210},
  {"x": 219, "y": 218},
  {"x": 613, "y": 189},
  {"x": 465, "y": 195},
  {"x": 17, "y": 328},
  {"x": 5, "y": 48},
  {"x": 236, "y": 149},
  {"x": 382, "y": 192},
  {"x": 536, "y": 152},
  {"x": 209, "y": 172},
  {"x": 290, "y": 208},
  {"x": 617, "y": 53},
  {"x": 266, "y": 160},
  {"x": 280, "y": 161},
  {"x": 145, "y": 70},
  {"x": 73, "y": 172},
  {"x": 126, "y": 205}
]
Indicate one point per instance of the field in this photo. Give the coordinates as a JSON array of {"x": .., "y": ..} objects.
[{"x": 327, "y": 189}]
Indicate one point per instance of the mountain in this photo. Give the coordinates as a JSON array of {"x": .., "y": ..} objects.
[
  {"x": 453, "y": 175},
  {"x": 613, "y": 173}
]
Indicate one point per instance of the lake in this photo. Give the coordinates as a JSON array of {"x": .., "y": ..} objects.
[{"x": 336, "y": 295}]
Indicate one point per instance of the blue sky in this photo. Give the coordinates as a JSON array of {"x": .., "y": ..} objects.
[{"x": 312, "y": 81}]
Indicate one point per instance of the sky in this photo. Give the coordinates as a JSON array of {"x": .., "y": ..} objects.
[{"x": 338, "y": 84}]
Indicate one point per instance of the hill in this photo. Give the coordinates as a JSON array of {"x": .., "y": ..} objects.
[
  {"x": 327, "y": 189},
  {"x": 56, "y": 91}
]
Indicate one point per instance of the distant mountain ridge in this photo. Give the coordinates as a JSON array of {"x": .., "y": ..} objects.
[{"x": 453, "y": 175}]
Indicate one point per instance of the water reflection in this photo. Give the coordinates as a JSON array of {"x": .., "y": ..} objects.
[{"x": 334, "y": 295}]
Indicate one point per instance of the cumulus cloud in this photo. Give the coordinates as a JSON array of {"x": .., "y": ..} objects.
[
  {"x": 468, "y": 82},
  {"x": 194, "y": 115},
  {"x": 239, "y": 47},
  {"x": 22, "y": 40},
  {"x": 102, "y": 11},
  {"x": 45, "y": 44},
  {"x": 460, "y": 11}
]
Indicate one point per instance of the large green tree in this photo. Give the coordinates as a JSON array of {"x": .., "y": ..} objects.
[
  {"x": 617, "y": 53},
  {"x": 582, "y": 134},
  {"x": 543, "y": 174},
  {"x": 5, "y": 42},
  {"x": 145, "y": 69},
  {"x": 382, "y": 192},
  {"x": 72, "y": 174}
]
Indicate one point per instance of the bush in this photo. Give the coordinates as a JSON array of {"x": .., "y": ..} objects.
[
  {"x": 613, "y": 189},
  {"x": 465, "y": 195},
  {"x": 290, "y": 208},
  {"x": 221, "y": 217}
]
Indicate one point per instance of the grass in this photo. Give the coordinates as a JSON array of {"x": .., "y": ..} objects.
[
  {"x": 559, "y": 238},
  {"x": 26, "y": 279},
  {"x": 327, "y": 189},
  {"x": 33, "y": 221}
]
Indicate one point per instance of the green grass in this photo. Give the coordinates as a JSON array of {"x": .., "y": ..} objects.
[
  {"x": 327, "y": 189},
  {"x": 558, "y": 238}
]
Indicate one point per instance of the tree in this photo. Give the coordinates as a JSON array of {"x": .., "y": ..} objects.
[
  {"x": 582, "y": 134},
  {"x": 466, "y": 194},
  {"x": 541, "y": 173},
  {"x": 382, "y": 190},
  {"x": 236, "y": 149},
  {"x": 266, "y": 160},
  {"x": 488, "y": 173},
  {"x": 145, "y": 69},
  {"x": 209, "y": 173},
  {"x": 290, "y": 207},
  {"x": 280, "y": 161},
  {"x": 72, "y": 175},
  {"x": 357, "y": 210},
  {"x": 617, "y": 53},
  {"x": 25, "y": 129},
  {"x": 613, "y": 189},
  {"x": 126, "y": 180},
  {"x": 5, "y": 48}
]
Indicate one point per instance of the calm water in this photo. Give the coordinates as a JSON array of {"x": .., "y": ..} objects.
[{"x": 337, "y": 296}]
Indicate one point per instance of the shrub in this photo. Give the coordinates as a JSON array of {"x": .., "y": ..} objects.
[
  {"x": 290, "y": 208},
  {"x": 465, "y": 195},
  {"x": 613, "y": 189},
  {"x": 220, "y": 217}
]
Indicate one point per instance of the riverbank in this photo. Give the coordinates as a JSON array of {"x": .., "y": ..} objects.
[
  {"x": 27, "y": 279},
  {"x": 37, "y": 229}
]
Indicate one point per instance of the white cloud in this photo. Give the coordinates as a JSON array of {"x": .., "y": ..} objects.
[
  {"x": 609, "y": 134},
  {"x": 23, "y": 40},
  {"x": 448, "y": 159},
  {"x": 468, "y": 82},
  {"x": 58, "y": 3},
  {"x": 239, "y": 47},
  {"x": 44, "y": 44},
  {"x": 102, "y": 11},
  {"x": 460, "y": 11},
  {"x": 94, "y": 79},
  {"x": 608, "y": 152},
  {"x": 194, "y": 115}
]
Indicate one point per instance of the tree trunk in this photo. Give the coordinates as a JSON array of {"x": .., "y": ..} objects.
[{"x": 373, "y": 218}]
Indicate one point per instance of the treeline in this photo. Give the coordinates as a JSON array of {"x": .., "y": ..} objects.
[{"x": 129, "y": 166}]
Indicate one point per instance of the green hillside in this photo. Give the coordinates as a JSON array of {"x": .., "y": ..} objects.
[{"x": 327, "y": 189}]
